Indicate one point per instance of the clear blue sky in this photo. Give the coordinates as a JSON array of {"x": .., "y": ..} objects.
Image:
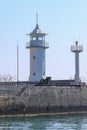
[{"x": 64, "y": 20}]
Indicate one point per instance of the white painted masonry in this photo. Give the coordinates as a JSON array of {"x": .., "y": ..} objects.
[{"x": 37, "y": 48}]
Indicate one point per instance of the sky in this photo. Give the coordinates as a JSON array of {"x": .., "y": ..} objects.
[{"x": 65, "y": 21}]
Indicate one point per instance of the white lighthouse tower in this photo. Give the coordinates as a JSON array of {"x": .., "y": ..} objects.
[
  {"x": 37, "y": 46},
  {"x": 77, "y": 49}
]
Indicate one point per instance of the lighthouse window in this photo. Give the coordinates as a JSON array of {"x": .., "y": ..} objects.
[
  {"x": 34, "y": 73},
  {"x": 40, "y": 38},
  {"x": 34, "y": 57},
  {"x": 34, "y": 38}
]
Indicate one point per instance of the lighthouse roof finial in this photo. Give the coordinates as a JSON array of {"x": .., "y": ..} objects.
[
  {"x": 37, "y": 30},
  {"x": 76, "y": 43},
  {"x": 36, "y": 18}
]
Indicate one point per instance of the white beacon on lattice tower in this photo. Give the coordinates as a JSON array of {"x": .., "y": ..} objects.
[{"x": 37, "y": 46}]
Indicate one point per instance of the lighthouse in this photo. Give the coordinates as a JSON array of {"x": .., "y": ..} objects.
[
  {"x": 37, "y": 46},
  {"x": 77, "y": 49}
]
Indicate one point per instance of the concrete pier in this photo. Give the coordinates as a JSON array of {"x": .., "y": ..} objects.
[{"x": 31, "y": 99}]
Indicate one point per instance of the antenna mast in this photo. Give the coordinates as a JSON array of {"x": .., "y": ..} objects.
[{"x": 17, "y": 62}]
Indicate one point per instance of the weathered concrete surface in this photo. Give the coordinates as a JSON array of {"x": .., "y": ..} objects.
[{"x": 23, "y": 99}]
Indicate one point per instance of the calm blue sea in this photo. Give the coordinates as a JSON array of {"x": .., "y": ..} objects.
[{"x": 62, "y": 122}]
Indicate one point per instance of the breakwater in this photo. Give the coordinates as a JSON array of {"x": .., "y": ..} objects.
[{"x": 25, "y": 98}]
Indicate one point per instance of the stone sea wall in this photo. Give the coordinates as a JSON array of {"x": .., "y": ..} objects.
[{"x": 26, "y": 99}]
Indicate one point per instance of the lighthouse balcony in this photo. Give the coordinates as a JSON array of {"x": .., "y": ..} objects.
[
  {"x": 76, "y": 48},
  {"x": 37, "y": 44}
]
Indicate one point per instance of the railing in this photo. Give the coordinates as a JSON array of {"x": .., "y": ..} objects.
[
  {"x": 37, "y": 44},
  {"x": 76, "y": 48},
  {"x": 20, "y": 83}
]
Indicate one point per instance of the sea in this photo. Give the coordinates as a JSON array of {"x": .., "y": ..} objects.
[{"x": 57, "y": 122}]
